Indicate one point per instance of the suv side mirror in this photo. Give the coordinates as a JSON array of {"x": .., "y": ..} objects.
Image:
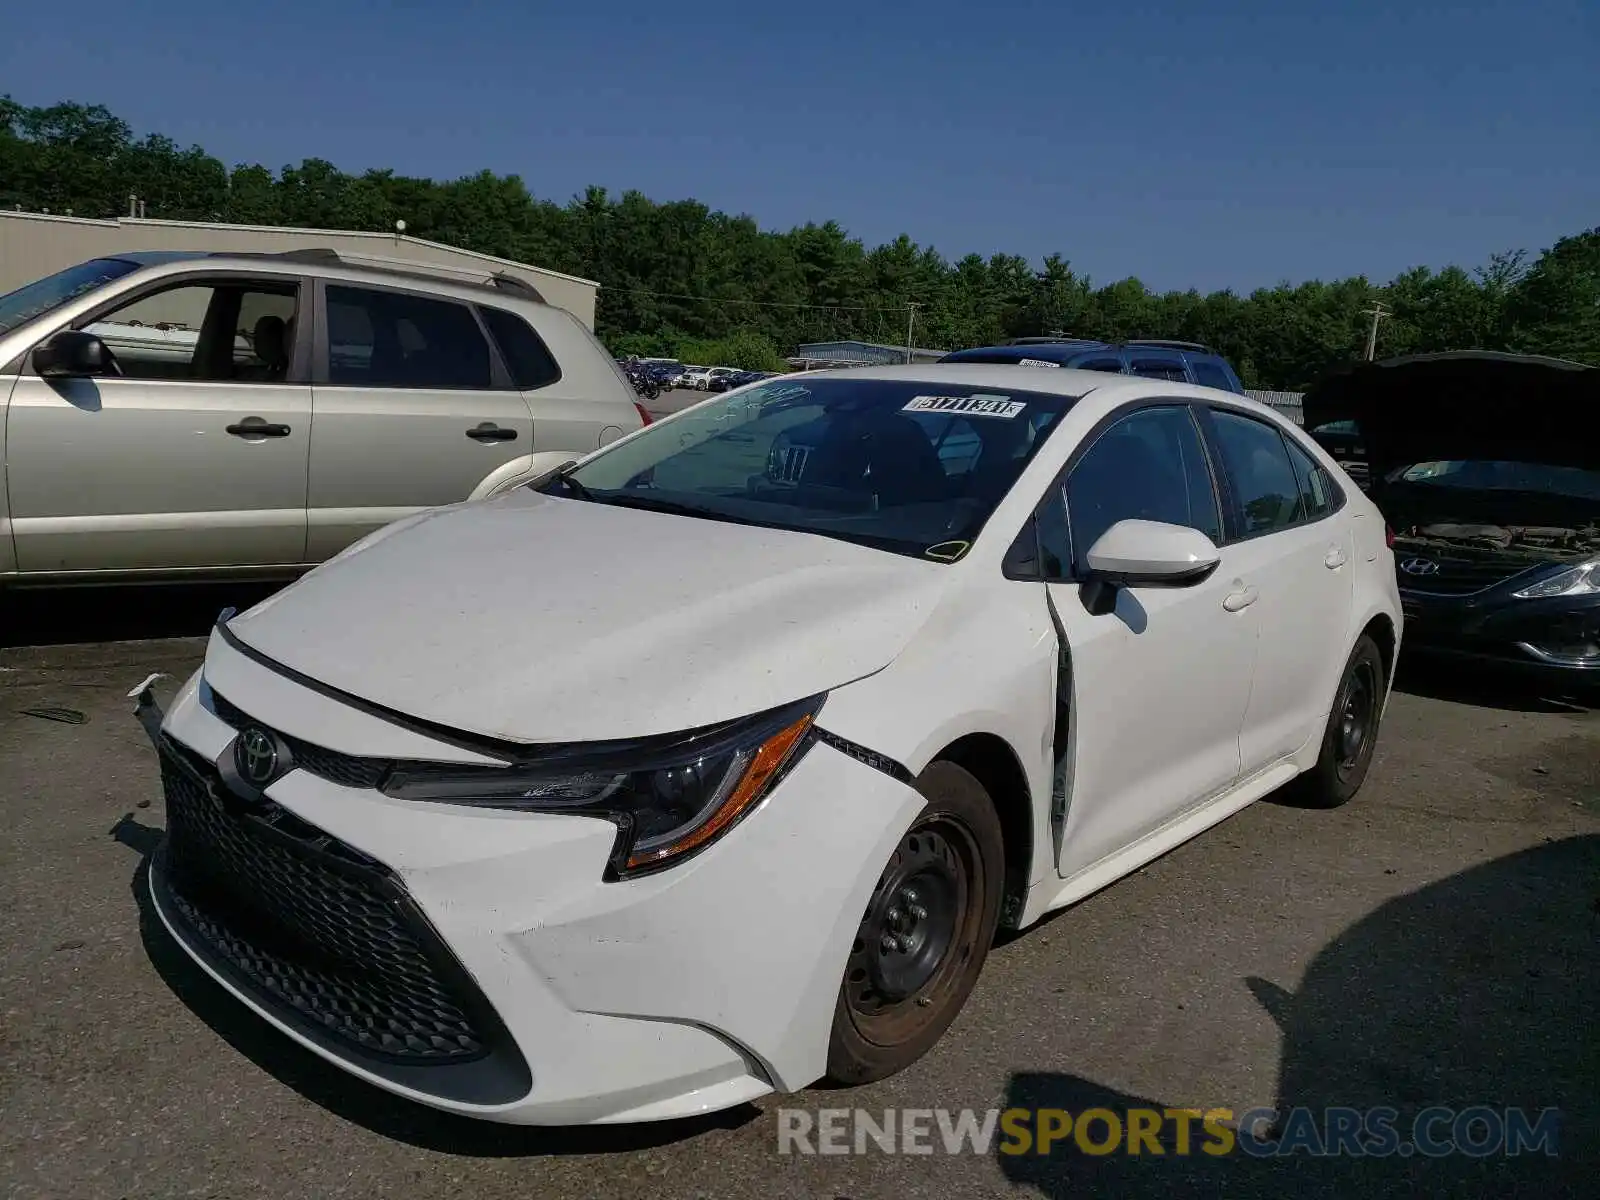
[
  {"x": 1133, "y": 554},
  {"x": 74, "y": 354}
]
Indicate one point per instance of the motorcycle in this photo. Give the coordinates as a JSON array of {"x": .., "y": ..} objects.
[{"x": 644, "y": 384}]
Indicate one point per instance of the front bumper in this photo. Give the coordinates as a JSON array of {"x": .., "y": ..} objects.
[
  {"x": 1539, "y": 639},
  {"x": 683, "y": 992}
]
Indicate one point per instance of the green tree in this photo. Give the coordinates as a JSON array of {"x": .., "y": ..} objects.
[{"x": 680, "y": 278}]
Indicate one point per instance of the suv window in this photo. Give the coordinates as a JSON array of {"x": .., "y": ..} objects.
[
  {"x": 1208, "y": 373},
  {"x": 1316, "y": 489},
  {"x": 1110, "y": 365},
  {"x": 216, "y": 332},
  {"x": 1258, "y": 466},
  {"x": 1161, "y": 368},
  {"x": 396, "y": 339},
  {"x": 1149, "y": 466},
  {"x": 525, "y": 353}
]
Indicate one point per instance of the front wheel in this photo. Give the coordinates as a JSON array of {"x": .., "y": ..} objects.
[
  {"x": 1351, "y": 735},
  {"x": 925, "y": 933}
]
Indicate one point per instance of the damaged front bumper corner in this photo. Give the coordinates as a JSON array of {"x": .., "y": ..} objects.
[{"x": 147, "y": 709}]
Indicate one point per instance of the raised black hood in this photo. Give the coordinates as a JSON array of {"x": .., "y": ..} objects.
[
  {"x": 1482, "y": 406},
  {"x": 1469, "y": 404}
]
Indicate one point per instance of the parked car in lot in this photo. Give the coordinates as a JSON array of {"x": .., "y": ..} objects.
[
  {"x": 1182, "y": 362},
  {"x": 192, "y": 415},
  {"x": 726, "y": 383},
  {"x": 1342, "y": 439},
  {"x": 710, "y": 763},
  {"x": 1487, "y": 467}
]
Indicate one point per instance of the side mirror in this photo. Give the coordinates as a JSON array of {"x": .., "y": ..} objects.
[
  {"x": 1133, "y": 554},
  {"x": 74, "y": 354}
]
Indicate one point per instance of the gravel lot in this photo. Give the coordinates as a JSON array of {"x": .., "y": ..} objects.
[{"x": 1436, "y": 941}]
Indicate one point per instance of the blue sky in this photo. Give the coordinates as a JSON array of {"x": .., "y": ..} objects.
[{"x": 1231, "y": 144}]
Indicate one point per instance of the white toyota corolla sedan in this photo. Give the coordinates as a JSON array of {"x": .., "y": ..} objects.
[{"x": 710, "y": 765}]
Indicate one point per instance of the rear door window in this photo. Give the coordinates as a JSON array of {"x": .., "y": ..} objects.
[
  {"x": 400, "y": 340},
  {"x": 1264, "y": 484},
  {"x": 1316, "y": 489}
]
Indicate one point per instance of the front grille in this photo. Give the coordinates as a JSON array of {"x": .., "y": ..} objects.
[
  {"x": 1456, "y": 575},
  {"x": 313, "y": 925},
  {"x": 344, "y": 769}
]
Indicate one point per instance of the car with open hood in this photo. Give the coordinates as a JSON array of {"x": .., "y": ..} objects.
[
  {"x": 710, "y": 764},
  {"x": 1487, "y": 467}
]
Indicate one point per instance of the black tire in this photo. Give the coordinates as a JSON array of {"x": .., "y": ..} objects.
[
  {"x": 1352, "y": 732},
  {"x": 938, "y": 902}
]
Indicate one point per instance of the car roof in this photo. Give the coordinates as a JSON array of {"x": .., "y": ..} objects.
[{"x": 330, "y": 264}]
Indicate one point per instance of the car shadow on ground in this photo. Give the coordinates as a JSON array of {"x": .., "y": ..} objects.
[
  {"x": 1477, "y": 990},
  {"x": 1438, "y": 679},
  {"x": 63, "y": 616},
  {"x": 350, "y": 1098}
]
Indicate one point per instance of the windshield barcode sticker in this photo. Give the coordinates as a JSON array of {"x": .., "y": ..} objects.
[
  {"x": 1035, "y": 362},
  {"x": 968, "y": 406}
]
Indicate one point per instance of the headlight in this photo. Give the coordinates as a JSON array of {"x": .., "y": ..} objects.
[
  {"x": 1581, "y": 580},
  {"x": 668, "y": 797}
]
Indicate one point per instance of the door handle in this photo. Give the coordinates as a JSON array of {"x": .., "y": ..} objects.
[
  {"x": 1335, "y": 559},
  {"x": 490, "y": 432},
  {"x": 255, "y": 427},
  {"x": 1241, "y": 599}
]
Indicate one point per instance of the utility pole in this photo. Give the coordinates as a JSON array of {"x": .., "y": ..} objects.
[
  {"x": 1378, "y": 313},
  {"x": 911, "y": 322}
]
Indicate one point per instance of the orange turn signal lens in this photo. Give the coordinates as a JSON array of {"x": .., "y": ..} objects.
[{"x": 765, "y": 763}]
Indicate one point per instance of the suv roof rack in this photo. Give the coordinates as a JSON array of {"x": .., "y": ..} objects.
[
  {"x": 1054, "y": 341},
  {"x": 1170, "y": 344},
  {"x": 502, "y": 281}
]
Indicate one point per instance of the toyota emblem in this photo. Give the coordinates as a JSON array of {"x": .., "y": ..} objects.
[
  {"x": 257, "y": 756},
  {"x": 1420, "y": 566}
]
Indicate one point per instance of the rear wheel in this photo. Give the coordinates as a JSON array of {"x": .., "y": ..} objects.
[
  {"x": 925, "y": 933},
  {"x": 1352, "y": 732}
]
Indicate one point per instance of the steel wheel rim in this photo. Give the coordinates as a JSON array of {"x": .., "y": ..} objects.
[
  {"x": 903, "y": 963},
  {"x": 1357, "y": 713}
]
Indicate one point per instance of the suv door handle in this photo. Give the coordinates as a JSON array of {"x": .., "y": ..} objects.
[
  {"x": 490, "y": 432},
  {"x": 255, "y": 427},
  {"x": 1241, "y": 599}
]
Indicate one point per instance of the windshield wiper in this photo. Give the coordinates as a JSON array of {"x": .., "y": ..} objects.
[
  {"x": 671, "y": 507},
  {"x": 563, "y": 476}
]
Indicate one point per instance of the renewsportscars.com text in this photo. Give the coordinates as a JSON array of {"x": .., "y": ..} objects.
[{"x": 1478, "y": 1131}]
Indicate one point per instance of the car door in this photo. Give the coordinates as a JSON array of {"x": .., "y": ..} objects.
[
  {"x": 192, "y": 457},
  {"x": 411, "y": 408},
  {"x": 1296, "y": 554},
  {"x": 1156, "y": 689}
]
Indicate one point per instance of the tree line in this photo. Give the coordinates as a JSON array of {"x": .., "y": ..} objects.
[{"x": 678, "y": 278}]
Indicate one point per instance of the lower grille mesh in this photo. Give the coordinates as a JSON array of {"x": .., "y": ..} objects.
[{"x": 310, "y": 923}]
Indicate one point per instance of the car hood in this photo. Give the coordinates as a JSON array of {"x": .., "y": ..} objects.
[
  {"x": 1465, "y": 405},
  {"x": 535, "y": 619}
]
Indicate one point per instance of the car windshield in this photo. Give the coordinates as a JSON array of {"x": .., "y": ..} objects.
[
  {"x": 1494, "y": 476},
  {"x": 910, "y": 467},
  {"x": 39, "y": 297}
]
